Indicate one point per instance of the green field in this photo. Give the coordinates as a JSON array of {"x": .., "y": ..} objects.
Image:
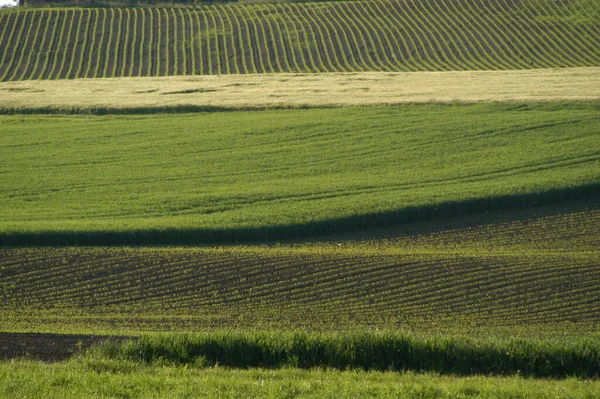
[
  {"x": 386, "y": 198},
  {"x": 349, "y": 36},
  {"x": 270, "y": 175},
  {"x": 102, "y": 379},
  {"x": 525, "y": 272}
]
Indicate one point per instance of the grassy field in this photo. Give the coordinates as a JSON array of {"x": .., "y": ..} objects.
[
  {"x": 196, "y": 93},
  {"x": 415, "y": 184},
  {"x": 110, "y": 379},
  {"x": 268, "y": 175},
  {"x": 349, "y": 36}
]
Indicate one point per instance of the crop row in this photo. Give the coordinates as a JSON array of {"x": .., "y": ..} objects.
[
  {"x": 319, "y": 283},
  {"x": 565, "y": 228},
  {"x": 494, "y": 289},
  {"x": 382, "y": 35}
]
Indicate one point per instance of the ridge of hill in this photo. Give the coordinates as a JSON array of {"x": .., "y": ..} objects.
[{"x": 350, "y": 36}]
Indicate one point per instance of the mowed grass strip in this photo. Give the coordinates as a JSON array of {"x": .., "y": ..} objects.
[
  {"x": 531, "y": 272},
  {"x": 107, "y": 379},
  {"x": 181, "y": 94},
  {"x": 349, "y": 36},
  {"x": 267, "y": 175}
]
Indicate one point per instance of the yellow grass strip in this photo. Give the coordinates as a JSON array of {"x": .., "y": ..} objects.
[{"x": 329, "y": 89}]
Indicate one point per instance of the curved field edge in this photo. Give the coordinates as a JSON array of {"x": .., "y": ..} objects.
[
  {"x": 383, "y": 35},
  {"x": 102, "y": 378},
  {"x": 532, "y": 273},
  {"x": 271, "y": 175},
  {"x": 190, "y": 236},
  {"x": 276, "y": 91}
]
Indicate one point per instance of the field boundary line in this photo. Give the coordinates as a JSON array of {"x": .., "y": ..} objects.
[{"x": 411, "y": 214}]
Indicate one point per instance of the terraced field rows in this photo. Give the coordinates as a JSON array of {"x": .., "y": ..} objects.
[
  {"x": 382, "y": 35},
  {"x": 401, "y": 279}
]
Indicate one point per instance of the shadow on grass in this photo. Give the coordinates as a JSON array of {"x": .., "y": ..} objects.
[
  {"x": 301, "y": 230},
  {"x": 365, "y": 351},
  {"x": 147, "y": 110}
]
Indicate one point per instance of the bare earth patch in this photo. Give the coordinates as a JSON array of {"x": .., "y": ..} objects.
[
  {"x": 45, "y": 347},
  {"x": 297, "y": 90}
]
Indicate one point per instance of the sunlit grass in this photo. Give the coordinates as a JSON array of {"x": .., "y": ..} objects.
[
  {"x": 268, "y": 175},
  {"x": 109, "y": 379}
]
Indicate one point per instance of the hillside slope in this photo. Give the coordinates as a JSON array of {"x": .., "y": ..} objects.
[
  {"x": 270, "y": 175},
  {"x": 381, "y": 35},
  {"x": 535, "y": 271}
]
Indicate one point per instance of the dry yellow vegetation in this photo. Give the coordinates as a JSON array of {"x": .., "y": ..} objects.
[{"x": 297, "y": 90}]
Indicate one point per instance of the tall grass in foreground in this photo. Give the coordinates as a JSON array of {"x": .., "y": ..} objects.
[
  {"x": 366, "y": 351},
  {"x": 122, "y": 379}
]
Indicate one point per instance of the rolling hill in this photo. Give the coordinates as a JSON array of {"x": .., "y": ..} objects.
[
  {"x": 269, "y": 175},
  {"x": 349, "y": 36},
  {"x": 385, "y": 185}
]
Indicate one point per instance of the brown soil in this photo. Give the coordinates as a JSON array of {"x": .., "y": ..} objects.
[{"x": 45, "y": 347}]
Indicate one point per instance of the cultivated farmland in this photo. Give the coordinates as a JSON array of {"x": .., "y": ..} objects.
[
  {"x": 381, "y": 187},
  {"x": 349, "y": 36},
  {"x": 276, "y": 91},
  {"x": 269, "y": 175},
  {"x": 535, "y": 272}
]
